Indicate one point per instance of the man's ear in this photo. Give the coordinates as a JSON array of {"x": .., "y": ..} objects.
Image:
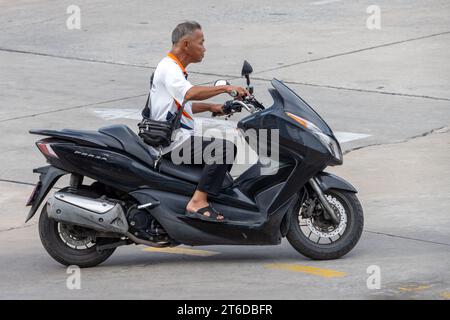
[{"x": 185, "y": 44}]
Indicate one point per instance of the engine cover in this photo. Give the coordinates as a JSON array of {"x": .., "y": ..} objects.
[
  {"x": 96, "y": 214},
  {"x": 143, "y": 225}
]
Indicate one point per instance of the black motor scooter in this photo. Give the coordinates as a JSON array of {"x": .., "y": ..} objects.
[{"x": 139, "y": 197}]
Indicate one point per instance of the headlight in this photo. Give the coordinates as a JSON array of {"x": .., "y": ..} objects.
[{"x": 330, "y": 143}]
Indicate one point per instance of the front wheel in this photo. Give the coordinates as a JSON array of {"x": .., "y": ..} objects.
[
  {"x": 315, "y": 236},
  {"x": 70, "y": 245}
]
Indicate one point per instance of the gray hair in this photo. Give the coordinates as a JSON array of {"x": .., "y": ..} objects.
[{"x": 183, "y": 29}]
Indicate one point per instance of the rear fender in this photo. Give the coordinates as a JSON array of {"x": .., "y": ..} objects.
[{"x": 49, "y": 175}]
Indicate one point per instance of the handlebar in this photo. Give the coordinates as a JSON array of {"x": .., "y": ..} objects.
[{"x": 249, "y": 103}]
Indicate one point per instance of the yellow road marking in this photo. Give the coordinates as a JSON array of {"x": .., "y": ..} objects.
[
  {"x": 327, "y": 273},
  {"x": 414, "y": 288},
  {"x": 186, "y": 251},
  {"x": 445, "y": 295}
]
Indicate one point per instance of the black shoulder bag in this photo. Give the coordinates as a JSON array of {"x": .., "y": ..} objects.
[{"x": 157, "y": 133}]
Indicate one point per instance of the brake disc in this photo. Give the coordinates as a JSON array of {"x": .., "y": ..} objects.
[{"x": 333, "y": 231}]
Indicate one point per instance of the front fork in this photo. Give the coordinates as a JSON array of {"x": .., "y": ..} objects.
[{"x": 326, "y": 205}]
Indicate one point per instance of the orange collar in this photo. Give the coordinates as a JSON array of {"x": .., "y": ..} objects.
[{"x": 172, "y": 56}]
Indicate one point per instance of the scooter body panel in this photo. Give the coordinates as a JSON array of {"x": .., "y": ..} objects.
[
  {"x": 255, "y": 205},
  {"x": 245, "y": 227}
]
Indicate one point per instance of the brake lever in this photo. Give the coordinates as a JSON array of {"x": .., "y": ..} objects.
[
  {"x": 228, "y": 109},
  {"x": 254, "y": 103}
]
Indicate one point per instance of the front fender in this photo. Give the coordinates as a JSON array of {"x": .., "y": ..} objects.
[
  {"x": 330, "y": 181},
  {"x": 326, "y": 181}
]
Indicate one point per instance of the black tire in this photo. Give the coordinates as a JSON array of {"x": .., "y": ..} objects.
[
  {"x": 337, "y": 249},
  {"x": 58, "y": 250}
]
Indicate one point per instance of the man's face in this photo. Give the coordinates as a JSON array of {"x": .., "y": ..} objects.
[{"x": 194, "y": 46}]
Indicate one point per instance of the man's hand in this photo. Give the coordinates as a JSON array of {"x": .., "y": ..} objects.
[
  {"x": 239, "y": 91},
  {"x": 217, "y": 108}
]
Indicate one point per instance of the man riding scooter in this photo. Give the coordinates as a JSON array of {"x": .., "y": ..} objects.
[
  {"x": 140, "y": 195},
  {"x": 169, "y": 90}
]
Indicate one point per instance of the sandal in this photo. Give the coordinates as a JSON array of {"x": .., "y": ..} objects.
[{"x": 200, "y": 214}]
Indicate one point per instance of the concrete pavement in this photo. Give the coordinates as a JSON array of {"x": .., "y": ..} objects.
[{"x": 390, "y": 85}]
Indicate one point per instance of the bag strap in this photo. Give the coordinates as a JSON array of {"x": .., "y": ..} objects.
[
  {"x": 177, "y": 121},
  {"x": 146, "y": 112}
]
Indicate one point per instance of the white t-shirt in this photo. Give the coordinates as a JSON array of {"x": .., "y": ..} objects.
[{"x": 170, "y": 84}]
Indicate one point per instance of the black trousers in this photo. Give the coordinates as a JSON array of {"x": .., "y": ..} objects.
[{"x": 215, "y": 156}]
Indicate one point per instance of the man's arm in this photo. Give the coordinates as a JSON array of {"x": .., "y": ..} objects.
[
  {"x": 200, "y": 93},
  {"x": 204, "y": 106}
]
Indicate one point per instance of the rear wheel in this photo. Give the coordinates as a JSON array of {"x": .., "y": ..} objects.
[
  {"x": 315, "y": 236},
  {"x": 70, "y": 245}
]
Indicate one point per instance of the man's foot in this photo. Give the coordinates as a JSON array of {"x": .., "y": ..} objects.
[{"x": 204, "y": 212}]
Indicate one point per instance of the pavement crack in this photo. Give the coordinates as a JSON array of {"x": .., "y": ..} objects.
[
  {"x": 259, "y": 72},
  {"x": 232, "y": 77},
  {"x": 18, "y": 182},
  {"x": 432, "y": 131},
  {"x": 50, "y": 55},
  {"x": 358, "y": 90},
  {"x": 88, "y": 105},
  {"x": 73, "y": 107},
  {"x": 354, "y": 51},
  {"x": 407, "y": 238},
  {"x": 20, "y": 227}
]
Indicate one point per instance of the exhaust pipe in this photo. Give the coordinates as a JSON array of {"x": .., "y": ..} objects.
[
  {"x": 146, "y": 242},
  {"x": 98, "y": 214}
]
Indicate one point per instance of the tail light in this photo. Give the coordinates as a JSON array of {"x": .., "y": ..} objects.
[{"x": 46, "y": 149}]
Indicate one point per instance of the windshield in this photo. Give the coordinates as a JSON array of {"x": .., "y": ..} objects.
[{"x": 293, "y": 103}]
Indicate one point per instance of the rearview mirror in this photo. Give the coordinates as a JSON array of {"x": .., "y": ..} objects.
[
  {"x": 221, "y": 83},
  {"x": 246, "y": 69}
]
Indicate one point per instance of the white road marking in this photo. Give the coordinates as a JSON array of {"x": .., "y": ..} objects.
[
  {"x": 319, "y": 3},
  {"x": 349, "y": 136},
  {"x": 209, "y": 123},
  {"x": 111, "y": 114}
]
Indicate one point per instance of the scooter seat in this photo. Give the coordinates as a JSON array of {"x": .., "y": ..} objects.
[
  {"x": 131, "y": 143},
  {"x": 188, "y": 172}
]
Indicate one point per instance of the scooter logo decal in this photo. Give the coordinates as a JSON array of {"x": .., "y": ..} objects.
[{"x": 89, "y": 155}]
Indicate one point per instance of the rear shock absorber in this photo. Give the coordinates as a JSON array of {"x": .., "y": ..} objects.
[{"x": 75, "y": 182}]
